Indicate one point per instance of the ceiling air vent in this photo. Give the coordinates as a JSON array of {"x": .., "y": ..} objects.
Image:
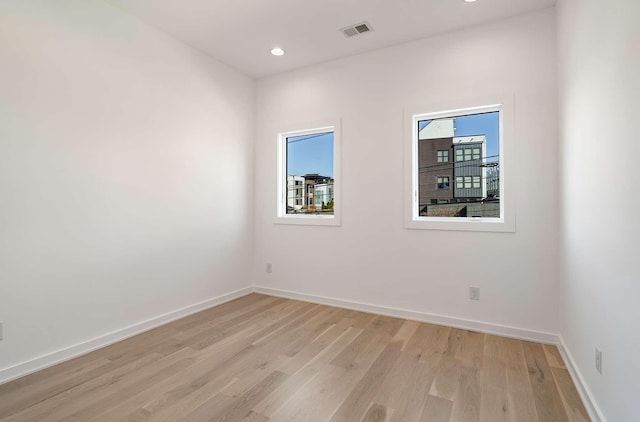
[{"x": 353, "y": 30}]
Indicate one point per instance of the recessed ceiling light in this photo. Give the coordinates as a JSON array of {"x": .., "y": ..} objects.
[
  {"x": 469, "y": 1},
  {"x": 277, "y": 51}
]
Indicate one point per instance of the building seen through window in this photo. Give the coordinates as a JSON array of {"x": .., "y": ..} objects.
[
  {"x": 469, "y": 185},
  {"x": 309, "y": 169}
]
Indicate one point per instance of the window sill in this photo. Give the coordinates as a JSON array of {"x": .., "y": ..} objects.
[
  {"x": 477, "y": 224},
  {"x": 309, "y": 220}
]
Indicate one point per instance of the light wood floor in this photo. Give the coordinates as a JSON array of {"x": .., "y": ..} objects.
[{"x": 261, "y": 358}]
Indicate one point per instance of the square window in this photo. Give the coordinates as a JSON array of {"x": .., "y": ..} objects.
[
  {"x": 476, "y": 137},
  {"x": 443, "y": 182},
  {"x": 308, "y": 176},
  {"x": 443, "y": 156}
]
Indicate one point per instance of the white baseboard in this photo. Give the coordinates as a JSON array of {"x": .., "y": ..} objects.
[
  {"x": 67, "y": 353},
  {"x": 483, "y": 327},
  {"x": 588, "y": 400}
]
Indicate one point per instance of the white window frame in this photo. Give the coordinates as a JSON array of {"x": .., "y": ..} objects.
[
  {"x": 444, "y": 108},
  {"x": 328, "y": 125}
]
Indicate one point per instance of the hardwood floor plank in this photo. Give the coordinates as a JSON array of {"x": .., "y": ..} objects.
[
  {"x": 545, "y": 392},
  {"x": 254, "y": 417},
  {"x": 406, "y": 387},
  {"x": 436, "y": 344},
  {"x": 553, "y": 356},
  {"x": 471, "y": 350},
  {"x": 361, "y": 396},
  {"x": 169, "y": 411},
  {"x": 242, "y": 405},
  {"x": 261, "y": 358},
  {"x": 377, "y": 413},
  {"x": 73, "y": 397},
  {"x": 325, "y": 347},
  {"x": 208, "y": 410},
  {"x": 303, "y": 373},
  {"x": 570, "y": 398},
  {"x": 494, "y": 403},
  {"x": 466, "y": 402},
  {"x": 317, "y": 399},
  {"x": 326, "y": 391},
  {"x": 437, "y": 409},
  {"x": 347, "y": 356},
  {"x": 196, "y": 378},
  {"x": 413, "y": 405},
  {"x": 519, "y": 389},
  {"x": 406, "y": 332},
  {"x": 445, "y": 383},
  {"x": 19, "y": 398},
  {"x": 410, "y": 379},
  {"x": 112, "y": 396}
]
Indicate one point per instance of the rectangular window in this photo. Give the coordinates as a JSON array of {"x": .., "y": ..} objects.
[
  {"x": 443, "y": 182},
  {"x": 476, "y": 136},
  {"x": 308, "y": 176}
]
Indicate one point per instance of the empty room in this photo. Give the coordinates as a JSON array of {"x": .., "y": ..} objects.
[{"x": 305, "y": 210}]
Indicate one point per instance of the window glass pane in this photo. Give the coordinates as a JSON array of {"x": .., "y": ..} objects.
[
  {"x": 309, "y": 161},
  {"x": 443, "y": 183},
  {"x": 475, "y": 145}
]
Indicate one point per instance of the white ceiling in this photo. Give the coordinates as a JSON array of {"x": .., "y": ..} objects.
[{"x": 241, "y": 32}]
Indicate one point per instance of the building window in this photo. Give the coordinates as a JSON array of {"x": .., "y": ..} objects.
[
  {"x": 443, "y": 182},
  {"x": 477, "y": 194},
  {"x": 308, "y": 176},
  {"x": 464, "y": 182}
]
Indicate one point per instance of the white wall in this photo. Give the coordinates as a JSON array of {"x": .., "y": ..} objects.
[
  {"x": 125, "y": 175},
  {"x": 371, "y": 258},
  {"x": 599, "y": 59}
]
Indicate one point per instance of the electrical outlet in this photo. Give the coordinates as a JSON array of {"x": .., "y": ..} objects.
[
  {"x": 474, "y": 293},
  {"x": 598, "y": 360},
  {"x": 269, "y": 268}
]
